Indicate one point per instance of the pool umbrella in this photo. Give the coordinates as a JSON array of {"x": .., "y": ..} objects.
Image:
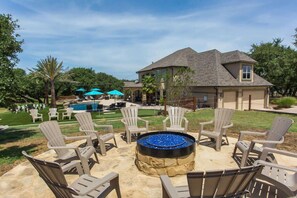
[
  {"x": 93, "y": 93},
  {"x": 95, "y": 89},
  {"x": 81, "y": 90},
  {"x": 115, "y": 93}
]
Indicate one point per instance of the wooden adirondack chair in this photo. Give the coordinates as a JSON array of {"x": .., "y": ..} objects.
[
  {"x": 68, "y": 113},
  {"x": 84, "y": 186},
  {"x": 222, "y": 121},
  {"x": 35, "y": 115},
  {"x": 228, "y": 183},
  {"x": 273, "y": 137},
  {"x": 66, "y": 153},
  {"x": 53, "y": 113},
  {"x": 176, "y": 115},
  {"x": 88, "y": 127},
  {"x": 281, "y": 176},
  {"x": 130, "y": 119}
]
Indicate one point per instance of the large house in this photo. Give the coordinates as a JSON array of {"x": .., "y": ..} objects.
[{"x": 224, "y": 80}]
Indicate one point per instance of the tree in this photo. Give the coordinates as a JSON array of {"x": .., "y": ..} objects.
[
  {"x": 51, "y": 70},
  {"x": 277, "y": 63},
  {"x": 107, "y": 82},
  {"x": 10, "y": 46},
  {"x": 84, "y": 76},
  {"x": 178, "y": 86},
  {"x": 149, "y": 87},
  {"x": 295, "y": 38}
]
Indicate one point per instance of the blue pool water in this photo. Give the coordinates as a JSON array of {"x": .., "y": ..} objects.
[{"x": 83, "y": 106}]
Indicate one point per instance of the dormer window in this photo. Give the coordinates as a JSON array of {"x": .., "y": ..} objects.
[{"x": 246, "y": 72}]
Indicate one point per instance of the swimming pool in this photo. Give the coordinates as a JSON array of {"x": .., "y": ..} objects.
[{"x": 85, "y": 107}]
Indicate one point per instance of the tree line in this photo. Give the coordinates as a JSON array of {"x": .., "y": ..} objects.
[{"x": 48, "y": 77}]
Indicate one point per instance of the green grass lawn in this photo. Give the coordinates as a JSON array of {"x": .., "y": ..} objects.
[{"x": 23, "y": 135}]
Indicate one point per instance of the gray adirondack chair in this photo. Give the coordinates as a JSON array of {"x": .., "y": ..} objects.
[
  {"x": 66, "y": 153},
  {"x": 222, "y": 121},
  {"x": 228, "y": 183},
  {"x": 281, "y": 176},
  {"x": 53, "y": 113},
  {"x": 35, "y": 115},
  {"x": 130, "y": 120},
  {"x": 88, "y": 127},
  {"x": 176, "y": 115},
  {"x": 68, "y": 113},
  {"x": 85, "y": 186},
  {"x": 273, "y": 137}
]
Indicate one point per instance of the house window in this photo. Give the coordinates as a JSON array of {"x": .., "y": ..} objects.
[{"x": 246, "y": 72}]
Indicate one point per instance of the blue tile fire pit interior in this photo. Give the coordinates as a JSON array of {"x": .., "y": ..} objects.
[{"x": 166, "y": 144}]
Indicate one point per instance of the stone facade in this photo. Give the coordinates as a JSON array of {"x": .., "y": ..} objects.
[{"x": 165, "y": 166}]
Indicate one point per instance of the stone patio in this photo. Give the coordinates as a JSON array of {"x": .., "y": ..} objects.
[{"x": 23, "y": 181}]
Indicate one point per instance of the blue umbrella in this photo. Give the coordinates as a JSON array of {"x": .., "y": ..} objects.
[
  {"x": 115, "y": 93},
  {"x": 95, "y": 89},
  {"x": 81, "y": 90},
  {"x": 93, "y": 93}
]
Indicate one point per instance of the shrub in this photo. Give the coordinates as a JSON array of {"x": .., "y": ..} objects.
[{"x": 286, "y": 102}]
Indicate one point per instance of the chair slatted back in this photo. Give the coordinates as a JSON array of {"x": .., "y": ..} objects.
[
  {"x": 279, "y": 128},
  {"x": 69, "y": 111},
  {"x": 86, "y": 123},
  {"x": 33, "y": 112},
  {"x": 176, "y": 115},
  {"x": 53, "y": 134},
  {"x": 53, "y": 176},
  {"x": 221, "y": 183},
  {"x": 53, "y": 111},
  {"x": 130, "y": 115},
  {"x": 222, "y": 118}
]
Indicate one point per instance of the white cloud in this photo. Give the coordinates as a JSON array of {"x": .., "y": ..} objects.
[{"x": 122, "y": 43}]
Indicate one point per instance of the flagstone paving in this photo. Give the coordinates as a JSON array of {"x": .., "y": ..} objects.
[{"x": 23, "y": 181}]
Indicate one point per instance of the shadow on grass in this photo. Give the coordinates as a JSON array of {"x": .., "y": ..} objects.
[
  {"x": 13, "y": 153},
  {"x": 13, "y": 135}
]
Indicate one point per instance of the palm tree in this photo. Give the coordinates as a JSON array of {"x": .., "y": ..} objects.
[
  {"x": 149, "y": 87},
  {"x": 49, "y": 69}
]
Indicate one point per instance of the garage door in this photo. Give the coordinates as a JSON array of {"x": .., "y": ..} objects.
[
  {"x": 229, "y": 100},
  {"x": 257, "y": 99}
]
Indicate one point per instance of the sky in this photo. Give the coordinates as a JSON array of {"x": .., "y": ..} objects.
[{"x": 120, "y": 37}]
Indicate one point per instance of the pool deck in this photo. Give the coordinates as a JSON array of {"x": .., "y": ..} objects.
[{"x": 23, "y": 180}]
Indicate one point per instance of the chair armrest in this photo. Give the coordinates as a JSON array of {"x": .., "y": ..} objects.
[
  {"x": 267, "y": 150},
  {"x": 39, "y": 114},
  {"x": 164, "y": 123},
  {"x": 61, "y": 147},
  {"x": 146, "y": 122},
  {"x": 273, "y": 165},
  {"x": 87, "y": 137},
  {"x": 98, "y": 182},
  {"x": 186, "y": 124},
  {"x": 205, "y": 123},
  {"x": 168, "y": 187},
  {"x": 228, "y": 126},
  {"x": 244, "y": 133},
  {"x": 269, "y": 141}
]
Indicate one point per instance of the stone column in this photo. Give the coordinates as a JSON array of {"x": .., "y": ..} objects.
[{"x": 239, "y": 99}]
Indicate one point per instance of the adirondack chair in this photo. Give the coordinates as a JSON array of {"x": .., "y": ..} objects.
[
  {"x": 85, "y": 186},
  {"x": 53, "y": 113},
  {"x": 130, "y": 118},
  {"x": 281, "y": 176},
  {"x": 66, "y": 153},
  {"x": 273, "y": 137},
  {"x": 228, "y": 183},
  {"x": 176, "y": 115},
  {"x": 35, "y": 115},
  {"x": 68, "y": 113},
  {"x": 222, "y": 121},
  {"x": 88, "y": 127}
]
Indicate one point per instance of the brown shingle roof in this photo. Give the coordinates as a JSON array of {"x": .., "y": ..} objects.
[
  {"x": 178, "y": 58},
  {"x": 208, "y": 67},
  {"x": 129, "y": 84}
]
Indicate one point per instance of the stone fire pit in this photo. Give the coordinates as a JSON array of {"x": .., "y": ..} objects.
[{"x": 165, "y": 152}]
